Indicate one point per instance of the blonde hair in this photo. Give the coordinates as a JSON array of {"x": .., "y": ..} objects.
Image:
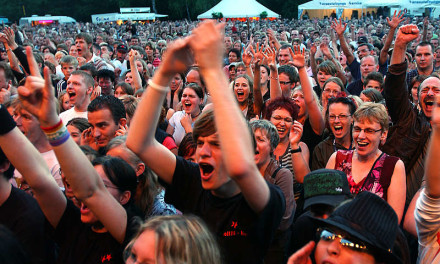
[
  {"x": 373, "y": 112},
  {"x": 180, "y": 239},
  {"x": 315, "y": 96}
]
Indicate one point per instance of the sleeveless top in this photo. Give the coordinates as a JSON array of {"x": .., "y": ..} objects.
[{"x": 377, "y": 180}]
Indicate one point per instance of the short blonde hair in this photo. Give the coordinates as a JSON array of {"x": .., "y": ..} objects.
[
  {"x": 373, "y": 112},
  {"x": 180, "y": 239}
]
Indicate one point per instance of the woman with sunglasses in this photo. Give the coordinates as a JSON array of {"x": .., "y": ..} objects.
[
  {"x": 367, "y": 167},
  {"x": 339, "y": 121}
]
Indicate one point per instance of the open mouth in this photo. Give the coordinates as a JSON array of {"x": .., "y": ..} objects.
[
  {"x": 362, "y": 144},
  {"x": 281, "y": 130},
  {"x": 187, "y": 105},
  {"x": 429, "y": 102},
  {"x": 206, "y": 170},
  {"x": 71, "y": 95},
  {"x": 338, "y": 128},
  {"x": 240, "y": 93}
]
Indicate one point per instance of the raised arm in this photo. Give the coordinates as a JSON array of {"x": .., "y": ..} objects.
[
  {"x": 340, "y": 74},
  {"x": 334, "y": 45},
  {"x": 29, "y": 162},
  {"x": 133, "y": 55},
  {"x": 37, "y": 97},
  {"x": 393, "y": 23},
  {"x": 236, "y": 151},
  {"x": 395, "y": 90},
  {"x": 140, "y": 137},
  {"x": 340, "y": 27},
  {"x": 8, "y": 39},
  {"x": 315, "y": 116},
  {"x": 258, "y": 97},
  {"x": 247, "y": 59},
  {"x": 425, "y": 29},
  {"x": 275, "y": 88},
  {"x": 273, "y": 39}
]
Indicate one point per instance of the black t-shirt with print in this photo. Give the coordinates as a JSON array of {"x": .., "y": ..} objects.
[{"x": 244, "y": 236}]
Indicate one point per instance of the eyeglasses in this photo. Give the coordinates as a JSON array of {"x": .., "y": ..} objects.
[
  {"x": 367, "y": 131},
  {"x": 108, "y": 185},
  {"x": 340, "y": 117},
  {"x": 328, "y": 235},
  {"x": 285, "y": 83},
  {"x": 279, "y": 119},
  {"x": 330, "y": 91}
]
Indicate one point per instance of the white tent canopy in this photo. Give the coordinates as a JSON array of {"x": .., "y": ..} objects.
[
  {"x": 344, "y": 8},
  {"x": 238, "y": 9},
  {"x": 377, "y": 3}
]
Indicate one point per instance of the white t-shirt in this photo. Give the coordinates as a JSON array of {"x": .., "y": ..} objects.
[
  {"x": 70, "y": 114},
  {"x": 427, "y": 215},
  {"x": 52, "y": 163},
  {"x": 179, "y": 131},
  {"x": 59, "y": 72}
]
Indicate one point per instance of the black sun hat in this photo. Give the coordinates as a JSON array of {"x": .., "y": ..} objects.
[{"x": 371, "y": 220}]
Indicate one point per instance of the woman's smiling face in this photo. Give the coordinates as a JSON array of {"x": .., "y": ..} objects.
[
  {"x": 340, "y": 120},
  {"x": 241, "y": 89}
]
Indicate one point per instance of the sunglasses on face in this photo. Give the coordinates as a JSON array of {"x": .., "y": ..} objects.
[{"x": 329, "y": 236}]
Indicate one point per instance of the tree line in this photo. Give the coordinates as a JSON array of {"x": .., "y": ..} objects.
[{"x": 82, "y": 10}]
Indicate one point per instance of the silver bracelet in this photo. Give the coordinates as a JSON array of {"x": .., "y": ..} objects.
[{"x": 158, "y": 87}]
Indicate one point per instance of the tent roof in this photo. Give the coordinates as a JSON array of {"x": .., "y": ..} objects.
[
  {"x": 319, "y": 4},
  {"x": 238, "y": 9},
  {"x": 377, "y": 3}
]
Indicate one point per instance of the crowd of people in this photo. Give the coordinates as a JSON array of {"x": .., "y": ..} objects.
[{"x": 221, "y": 142}]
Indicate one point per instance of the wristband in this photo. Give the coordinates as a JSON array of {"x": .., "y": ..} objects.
[
  {"x": 273, "y": 78},
  {"x": 158, "y": 87},
  {"x": 53, "y": 128},
  {"x": 295, "y": 150},
  {"x": 56, "y": 135},
  {"x": 7, "y": 123}
]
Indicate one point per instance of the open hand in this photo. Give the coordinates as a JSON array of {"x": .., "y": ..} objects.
[
  {"x": 339, "y": 26},
  {"x": 258, "y": 54},
  {"x": 247, "y": 56},
  {"x": 271, "y": 55},
  {"x": 10, "y": 37},
  {"x": 325, "y": 50},
  {"x": 298, "y": 57},
  {"x": 396, "y": 19}
]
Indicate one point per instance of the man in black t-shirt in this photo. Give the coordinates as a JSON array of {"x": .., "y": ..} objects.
[{"x": 225, "y": 188}]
